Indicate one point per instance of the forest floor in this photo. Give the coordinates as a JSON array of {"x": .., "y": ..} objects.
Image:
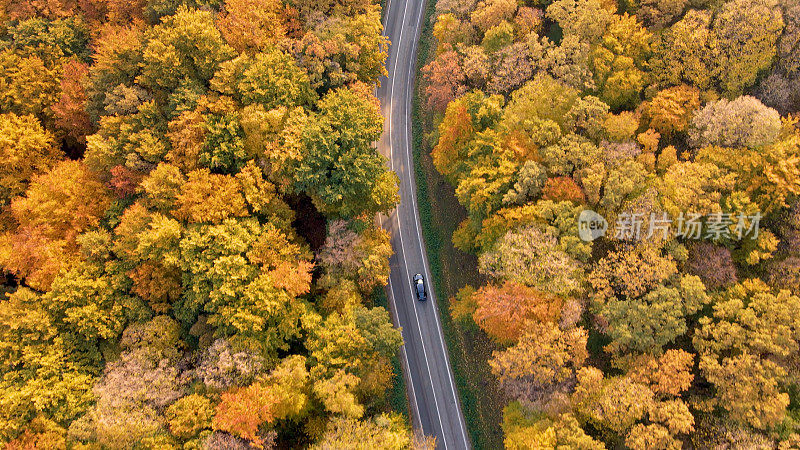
[{"x": 469, "y": 347}]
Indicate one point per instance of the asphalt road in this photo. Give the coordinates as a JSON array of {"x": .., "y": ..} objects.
[{"x": 435, "y": 408}]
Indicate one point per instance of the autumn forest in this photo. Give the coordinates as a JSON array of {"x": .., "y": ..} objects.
[
  {"x": 647, "y": 113},
  {"x": 187, "y": 240},
  {"x": 189, "y": 256}
]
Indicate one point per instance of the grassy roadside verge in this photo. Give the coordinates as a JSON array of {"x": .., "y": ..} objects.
[{"x": 468, "y": 347}]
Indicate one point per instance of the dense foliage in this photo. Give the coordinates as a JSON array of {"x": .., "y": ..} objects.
[
  {"x": 187, "y": 244},
  {"x": 544, "y": 108}
]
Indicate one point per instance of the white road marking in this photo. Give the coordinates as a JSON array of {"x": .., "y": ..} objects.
[
  {"x": 405, "y": 356},
  {"x": 423, "y": 255},
  {"x": 386, "y": 17},
  {"x": 400, "y": 229}
]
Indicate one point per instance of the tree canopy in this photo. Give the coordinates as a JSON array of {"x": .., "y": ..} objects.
[
  {"x": 664, "y": 117},
  {"x": 186, "y": 238}
]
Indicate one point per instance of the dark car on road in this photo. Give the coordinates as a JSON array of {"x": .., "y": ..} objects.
[{"x": 419, "y": 287}]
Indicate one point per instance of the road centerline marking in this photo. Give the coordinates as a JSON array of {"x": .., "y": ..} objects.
[
  {"x": 399, "y": 225},
  {"x": 419, "y": 236}
]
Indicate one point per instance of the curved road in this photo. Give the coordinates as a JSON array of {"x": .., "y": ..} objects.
[{"x": 435, "y": 408}]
